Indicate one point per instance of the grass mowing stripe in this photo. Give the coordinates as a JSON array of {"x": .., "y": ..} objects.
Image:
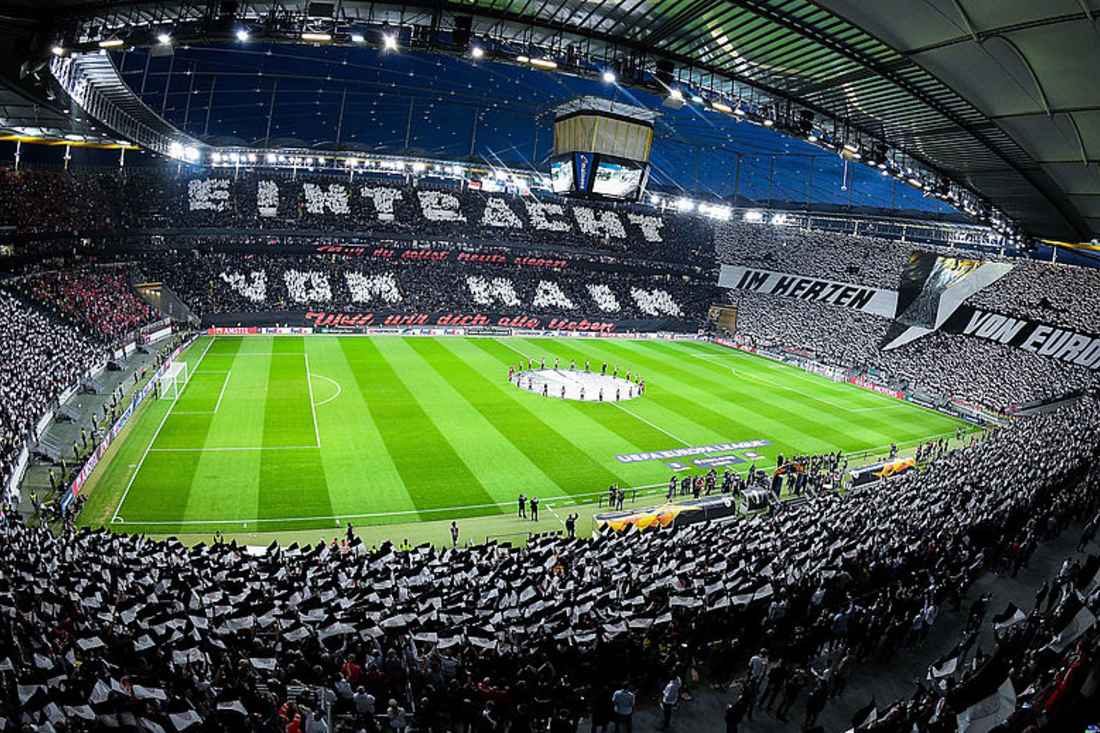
[
  {"x": 433, "y": 474},
  {"x": 565, "y": 465},
  {"x": 292, "y": 483},
  {"x": 821, "y": 390},
  {"x": 780, "y": 416},
  {"x": 665, "y": 388},
  {"x": 604, "y": 432},
  {"x": 164, "y": 482},
  {"x": 498, "y": 463},
  {"x": 643, "y": 433},
  {"x": 908, "y": 422},
  {"x": 361, "y": 476},
  {"x": 600, "y": 444},
  {"x": 238, "y": 424}
]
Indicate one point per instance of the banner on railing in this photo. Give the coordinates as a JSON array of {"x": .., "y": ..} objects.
[
  {"x": 878, "y": 301},
  {"x": 488, "y": 322},
  {"x": 1067, "y": 345}
]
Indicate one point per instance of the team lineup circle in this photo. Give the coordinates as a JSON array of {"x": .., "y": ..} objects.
[{"x": 579, "y": 385}]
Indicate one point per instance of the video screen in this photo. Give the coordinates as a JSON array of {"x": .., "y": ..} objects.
[
  {"x": 617, "y": 180},
  {"x": 561, "y": 175}
]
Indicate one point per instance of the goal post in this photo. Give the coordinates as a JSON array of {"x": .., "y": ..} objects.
[{"x": 171, "y": 382}]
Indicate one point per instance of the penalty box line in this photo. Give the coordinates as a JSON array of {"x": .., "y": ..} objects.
[
  {"x": 221, "y": 394},
  {"x": 246, "y": 449},
  {"x": 149, "y": 447}
]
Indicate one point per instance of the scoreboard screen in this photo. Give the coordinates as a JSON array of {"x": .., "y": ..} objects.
[
  {"x": 592, "y": 175},
  {"x": 561, "y": 175},
  {"x": 618, "y": 179}
]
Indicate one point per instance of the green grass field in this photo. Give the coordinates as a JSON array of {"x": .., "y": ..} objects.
[{"x": 283, "y": 433}]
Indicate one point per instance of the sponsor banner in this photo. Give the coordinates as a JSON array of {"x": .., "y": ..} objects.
[
  {"x": 716, "y": 461},
  {"x": 488, "y": 331},
  {"x": 360, "y": 321},
  {"x": 865, "y": 383},
  {"x": 116, "y": 428},
  {"x": 830, "y": 292},
  {"x": 661, "y": 455},
  {"x": 232, "y": 330},
  {"x": 828, "y": 371},
  {"x": 1063, "y": 344},
  {"x": 286, "y": 331},
  {"x": 158, "y": 335},
  {"x": 879, "y": 471},
  {"x": 582, "y": 164}
]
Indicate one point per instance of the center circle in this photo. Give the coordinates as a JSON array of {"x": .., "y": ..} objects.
[{"x": 569, "y": 384}]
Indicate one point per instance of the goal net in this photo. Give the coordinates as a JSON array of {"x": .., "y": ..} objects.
[{"x": 171, "y": 383}]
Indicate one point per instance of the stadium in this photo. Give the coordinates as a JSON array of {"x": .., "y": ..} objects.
[{"x": 573, "y": 366}]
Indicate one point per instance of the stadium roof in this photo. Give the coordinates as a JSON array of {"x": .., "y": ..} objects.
[{"x": 996, "y": 96}]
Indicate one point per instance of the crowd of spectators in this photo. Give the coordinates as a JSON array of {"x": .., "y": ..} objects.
[
  {"x": 46, "y": 202},
  {"x": 103, "y": 630},
  {"x": 232, "y": 283},
  {"x": 152, "y": 199},
  {"x": 1041, "y": 670},
  {"x": 380, "y": 208},
  {"x": 947, "y": 365},
  {"x": 1060, "y": 295},
  {"x": 43, "y": 357},
  {"x": 861, "y": 260},
  {"x": 100, "y": 299}
]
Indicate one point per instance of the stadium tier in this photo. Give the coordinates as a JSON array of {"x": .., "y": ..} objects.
[
  {"x": 371, "y": 208},
  {"x": 554, "y": 367},
  {"x": 468, "y": 630}
]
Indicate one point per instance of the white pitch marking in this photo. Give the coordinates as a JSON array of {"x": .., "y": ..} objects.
[
  {"x": 148, "y": 448},
  {"x": 879, "y": 407},
  {"x": 221, "y": 394},
  {"x": 651, "y": 424},
  {"x": 382, "y": 514},
  {"x": 234, "y": 449},
  {"x": 558, "y": 516},
  {"x": 513, "y": 348},
  {"x": 339, "y": 389},
  {"x": 312, "y": 404}
]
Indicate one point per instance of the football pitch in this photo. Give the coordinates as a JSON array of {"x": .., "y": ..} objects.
[{"x": 278, "y": 433}]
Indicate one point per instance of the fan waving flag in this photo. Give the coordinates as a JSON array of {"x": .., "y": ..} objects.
[
  {"x": 864, "y": 717},
  {"x": 1009, "y": 617}
]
